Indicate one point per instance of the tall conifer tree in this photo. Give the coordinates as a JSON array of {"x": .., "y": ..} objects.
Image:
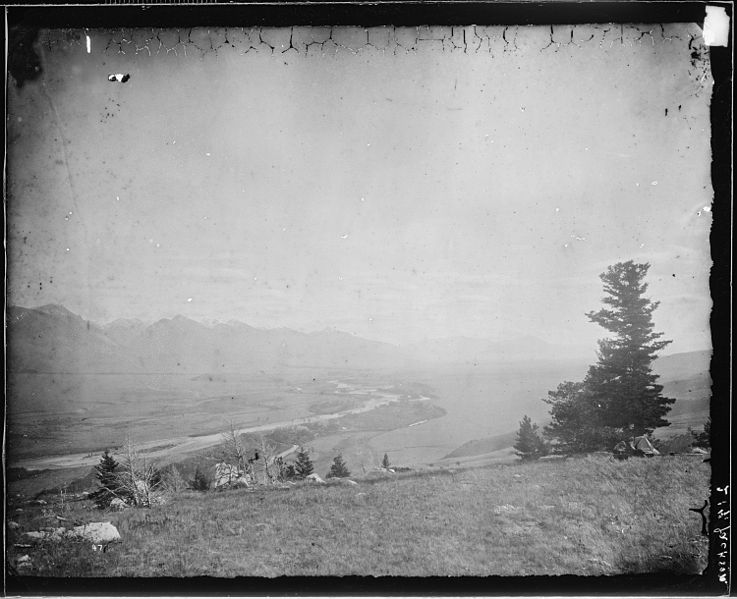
[{"x": 621, "y": 384}]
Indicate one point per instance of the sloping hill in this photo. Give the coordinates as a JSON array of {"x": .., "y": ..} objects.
[{"x": 549, "y": 519}]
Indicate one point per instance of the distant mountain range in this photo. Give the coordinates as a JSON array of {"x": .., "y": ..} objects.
[{"x": 53, "y": 339}]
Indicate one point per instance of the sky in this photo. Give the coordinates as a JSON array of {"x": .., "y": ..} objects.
[{"x": 404, "y": 190}]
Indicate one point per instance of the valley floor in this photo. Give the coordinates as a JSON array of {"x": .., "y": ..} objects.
[{"x": 585, "y": 516}]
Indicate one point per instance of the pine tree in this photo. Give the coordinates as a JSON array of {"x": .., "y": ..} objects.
[
  {"x": 199, "y": 481},
  {"x": 303, "y": 467},
  {"x": 529, "y": 445},
  {"x": 105, "y": 471},
  {"x": 289, "y": 472},
  {"x": 385, "y": 462},
  {"x": 575, "y": 421},
  {"x": 338, "y": 469},
  {"x": 621, "y": 384}
]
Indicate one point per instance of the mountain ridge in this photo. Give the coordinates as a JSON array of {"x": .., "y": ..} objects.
[{"x": 51, "y": 338}]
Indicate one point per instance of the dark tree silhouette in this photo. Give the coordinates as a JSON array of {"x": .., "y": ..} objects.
[
  {"x": 303, "y": 467},
  {"x": 107, "y": 477},
  {"x": 622, "y": 385},
  {"x": 575, "y": 421},
  {"x": 199, "y": 481},
  {"x": 385, "y": 462},
  {"x": 529, "y": 445},
  {"x": 338, "y": 469},
  {"x": 620, "y": 397}
]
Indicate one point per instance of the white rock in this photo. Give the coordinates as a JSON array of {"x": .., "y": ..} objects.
[
  {"x": 24, "y": 561},
  {"x": 13, "y": 525},
  {"x": 97, "y": 532},
  {"x": 314, "y": 478},
  {"x": 49, "y": 534},
  {"x": 118, "y": 504}
]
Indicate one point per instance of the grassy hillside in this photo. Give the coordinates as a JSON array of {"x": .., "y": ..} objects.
[{"x": 587, "y": 516}]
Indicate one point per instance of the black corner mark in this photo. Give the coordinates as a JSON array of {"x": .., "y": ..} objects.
[
  {"x": 700, "y": 511},
  {"x": 24, "y": 63}
]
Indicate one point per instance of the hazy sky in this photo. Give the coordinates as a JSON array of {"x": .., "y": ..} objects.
[{"x": 394, "y": 193}]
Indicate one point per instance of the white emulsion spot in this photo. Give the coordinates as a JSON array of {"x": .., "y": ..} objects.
[
  {"x": 653, "y": 183},
  {"x": 89, "y": 44},
  {"x": 189, "y": 299}
]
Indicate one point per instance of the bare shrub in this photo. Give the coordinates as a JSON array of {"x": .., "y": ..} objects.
[
  {"x": 173, "y": 481},
  {"x": 140, "y": 482}
]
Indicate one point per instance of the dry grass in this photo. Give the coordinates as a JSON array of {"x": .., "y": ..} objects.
[{"x": 586, "y": 516}]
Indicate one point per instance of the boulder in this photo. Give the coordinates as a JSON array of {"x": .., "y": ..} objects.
[
  {"x": 96, "y": 532},
  {"x": 50, "y": 534},
  {"x": 314, "y": 478},
  {"x": 13, "y": 525},
  {"x": 118, "y": 504},
  {"x": 24, "y": 561},
  {"x": 227, "y": 474}
]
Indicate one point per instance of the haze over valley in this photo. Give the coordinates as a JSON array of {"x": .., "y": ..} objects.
[{"x": 81, "y": 387}]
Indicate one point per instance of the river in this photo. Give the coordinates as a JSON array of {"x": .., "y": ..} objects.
[{"x": 164, "y": 448}]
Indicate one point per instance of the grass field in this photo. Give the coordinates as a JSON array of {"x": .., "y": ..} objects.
[{"x": 586, "y": 516}]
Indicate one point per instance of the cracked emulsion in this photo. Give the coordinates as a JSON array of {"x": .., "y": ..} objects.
[
  {"x": 303, "y": 39},
  {"x": 476, "y": 39}
]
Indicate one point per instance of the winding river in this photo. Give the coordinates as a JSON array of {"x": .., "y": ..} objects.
[{"x": 164, "y": 448}]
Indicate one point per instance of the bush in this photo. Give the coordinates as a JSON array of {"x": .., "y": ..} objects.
[
  {"x": 338, "y": 469},
  {"x": 200, "y": 482},
  {"x": 304, "y": 466},
  {"x": 529, "y": 445},
  {"x": 108, "y": 479},
  {"x": 173, "y": 481}
]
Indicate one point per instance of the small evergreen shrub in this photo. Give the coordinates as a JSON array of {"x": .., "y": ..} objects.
[
  {"x": 303, "y": 467},
  {"x": 529, "y": 445},
  {"x": 200, "y": 482},
  {"x": 338, "y": 469}
]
